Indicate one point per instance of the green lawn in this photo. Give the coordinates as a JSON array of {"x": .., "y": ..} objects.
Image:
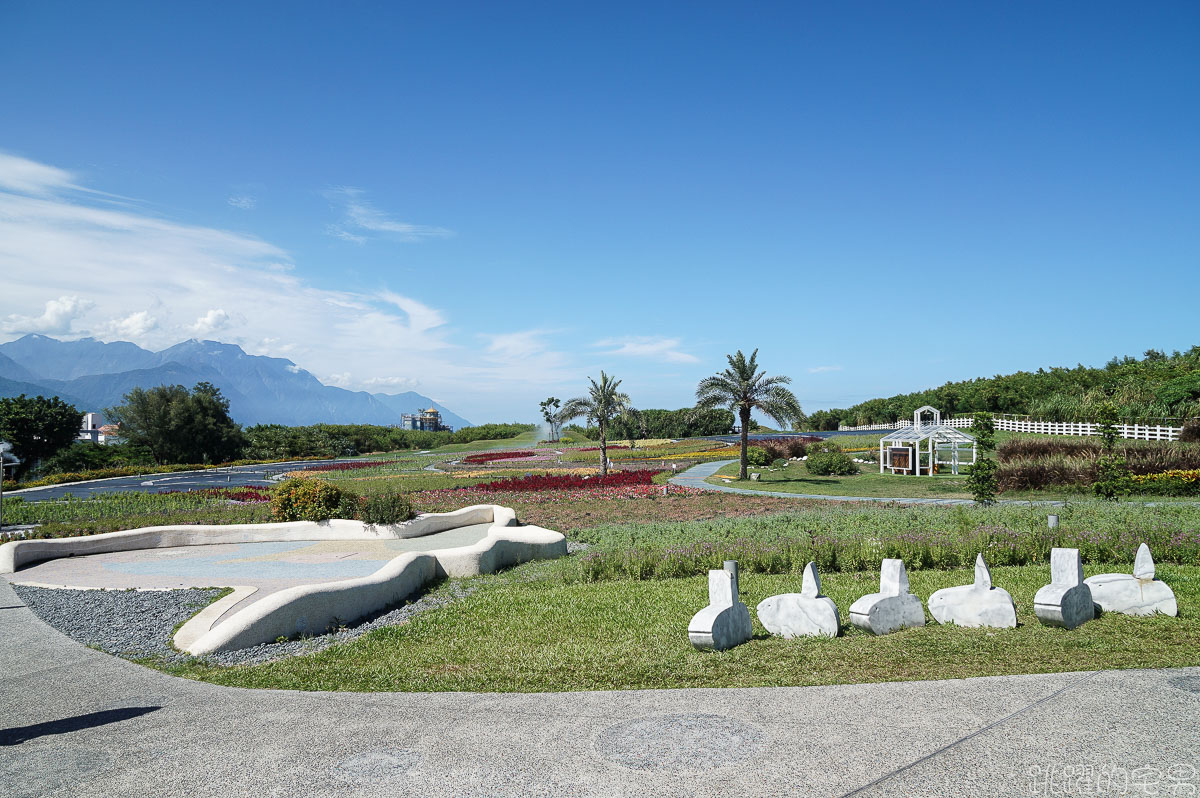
[
  {"x": 796, "y": 479},
  {"x": 523, "y": 441},
  {"x": 525, "y": 630},
  {"x": 870, "y": 483}
]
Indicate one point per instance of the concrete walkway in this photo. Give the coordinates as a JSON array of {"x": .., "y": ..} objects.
[
  {"x": 696, "y": 476},
  {"x": 75, "y": 722}
]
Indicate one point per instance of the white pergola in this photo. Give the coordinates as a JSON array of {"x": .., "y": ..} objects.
[{"x": 938, "y": 444}]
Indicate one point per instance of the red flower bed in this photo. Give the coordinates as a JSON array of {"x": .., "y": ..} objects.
[
  {"x": 488, "y": 457},
  {"x": 249, "y": 494},
  {"x": 538, "y": 482},
  {"x": 353, "y": 465}
]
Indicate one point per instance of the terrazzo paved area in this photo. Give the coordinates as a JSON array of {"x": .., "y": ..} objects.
[
  {"x": 75, "y": 722},
  {"x": 269, "y": 567}
]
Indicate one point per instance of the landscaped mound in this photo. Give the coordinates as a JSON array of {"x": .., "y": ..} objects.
[
  {"x": 539, "y": 482},
  {"x": 490, "y": 457},
  {"x": 352, "y": 465}
]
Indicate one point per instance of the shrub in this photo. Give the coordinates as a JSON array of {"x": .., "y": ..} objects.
[
  {"x": 757, "y": 456},
  {"x": 1112, "y": 477},
  {"x": 780, "y": 463},
  {"x": 831, "y": 463},
  {"x": 981, "y": 481},
  {"x": 1191, "y": 431},
  {"x": 386, "y": 508},
  {"x": 306, "y": 500}
]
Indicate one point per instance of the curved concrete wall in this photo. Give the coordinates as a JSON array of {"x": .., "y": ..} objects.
[
  {"x": 17, "y": 553},
  {"x": 314, "y": 608}
]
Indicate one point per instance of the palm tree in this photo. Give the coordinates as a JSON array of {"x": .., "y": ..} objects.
[
  {"x": 743, "y": 388},
  {"x": 602, "y": 404}
]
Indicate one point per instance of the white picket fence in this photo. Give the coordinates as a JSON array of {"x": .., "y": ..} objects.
[{"x": 1140, "y": 432}]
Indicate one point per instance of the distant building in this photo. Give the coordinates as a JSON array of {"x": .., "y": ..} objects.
[
  {"x": 428, "y": 421},
  {"x": 96, "y": 432}
]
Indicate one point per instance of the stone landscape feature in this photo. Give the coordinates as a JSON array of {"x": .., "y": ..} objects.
[
  {"x": 978, "y": 604},
  {"x": 1139, "y": 594},
  {"x": 803, "y": 614},
  {"x": 289, "y": 579}
]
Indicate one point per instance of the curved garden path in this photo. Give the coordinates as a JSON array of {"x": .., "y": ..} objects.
[
  {"x": 77, "y": 722},
  {"x": 697, "y": 476}
]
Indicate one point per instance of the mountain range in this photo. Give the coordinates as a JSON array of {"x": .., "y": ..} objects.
[{"x": 94, "y": 375}]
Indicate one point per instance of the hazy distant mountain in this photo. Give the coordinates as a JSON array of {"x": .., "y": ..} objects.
[
  {"x": 65, "y": 360},
  {"x": 260, "y": 389}
]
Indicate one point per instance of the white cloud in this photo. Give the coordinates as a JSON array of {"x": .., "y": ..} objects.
[
  {"x": 56, "y": 319},
  {"x": 76, "y": 264},
  {"x": 655, "y": 348},
  {"x": 133, "y": 327},
  {"x": 30, "y": 177},
  {"x": 420, "y": 317},
  {"x": 215, "y": 319},
  {"x": 243, "y": 201},
  {"x": 360, "y": 219},
  {"x": 392, "y": 383},
  {"x": 341, "y": 380},
  {"x": 823, "y": 369}
]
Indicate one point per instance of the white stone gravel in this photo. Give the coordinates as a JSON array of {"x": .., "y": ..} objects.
[{"x": 138, "y": 624}]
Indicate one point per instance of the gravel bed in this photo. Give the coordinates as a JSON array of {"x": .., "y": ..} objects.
[
  {"x": 138, "y": 624},
  {"x": 575, "y": 546}
]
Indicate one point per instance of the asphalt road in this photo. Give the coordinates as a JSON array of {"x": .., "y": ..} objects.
[
  {"x": 76, "y": 722},
  {"x": 160, "y": 483}
]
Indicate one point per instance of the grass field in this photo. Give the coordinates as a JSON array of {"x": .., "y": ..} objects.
[
  {"x": 526, "y": 631},
  {"x": 522, "y": 441}
]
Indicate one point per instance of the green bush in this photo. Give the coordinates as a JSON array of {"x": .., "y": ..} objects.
[
  {"x": 1112, "y": 477},
  {"x": 306, "y": 500},
  {"x": 982, "y": 480},
  {"x": 386, "y": 508},
  {"x": 1191, "y": 431},
  {"x": 757, "y": 456},
  {"x": 830, "y": 463},
  {"x": 780, "y": 463}
]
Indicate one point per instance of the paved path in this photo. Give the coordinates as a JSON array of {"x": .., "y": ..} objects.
[
  {"x": 234, "y": 476},
  {"x": 696, "y": 476},
  {"x": 75, "y": 722}
]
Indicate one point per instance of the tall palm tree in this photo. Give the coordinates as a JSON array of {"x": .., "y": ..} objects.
[
  {"x": 602, "y": 404},
  {"x": 742, "y": 388}
]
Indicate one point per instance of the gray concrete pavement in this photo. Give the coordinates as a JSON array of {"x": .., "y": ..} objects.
[{"x": 75, "y": 722}]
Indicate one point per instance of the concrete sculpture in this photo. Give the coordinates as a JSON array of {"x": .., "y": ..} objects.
[
  {"x": 725, "y": 622},
  {"x": 893, "y": 607},
  {"x": 1139, "y": 594},
  {"x": 979, "y": 604},
  {"x": 1067, "y": 600},
  {"x": 803, "y": 614}
]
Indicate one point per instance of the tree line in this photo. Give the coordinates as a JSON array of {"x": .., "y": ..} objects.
[
  {"x": 1154, "y": 386},
  {"x": 170, "y": 424}
]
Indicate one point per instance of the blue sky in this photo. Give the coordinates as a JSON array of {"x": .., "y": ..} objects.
[{"x": 488, "y": 202}]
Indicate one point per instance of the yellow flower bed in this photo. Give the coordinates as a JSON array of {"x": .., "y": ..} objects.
[{"x": 1191, "y": 477}]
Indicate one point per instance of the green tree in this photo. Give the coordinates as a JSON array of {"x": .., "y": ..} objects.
[
  {"x": 743, "y": 388},
  {"x": 981, "y": 480},
  {"x": 37, "y": 428},
  {"x": 550, "y": 408},
  {"x": 603, "y": 404},
  {"x": 180, "y": 426},
  {"x": 1106, "y": 419}
]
